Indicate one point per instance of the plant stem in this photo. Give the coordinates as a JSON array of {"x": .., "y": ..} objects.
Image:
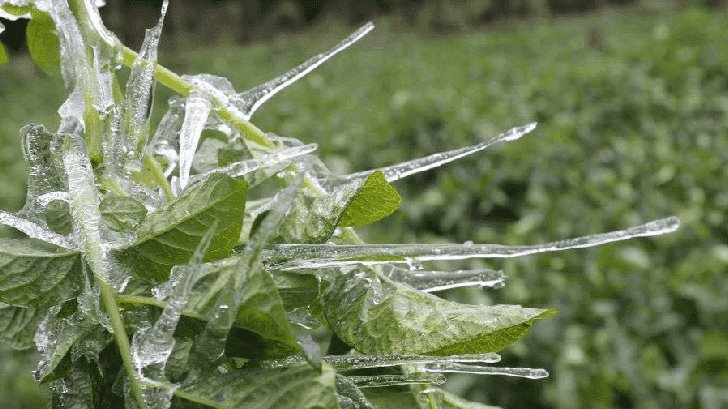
[
  {"x": 122, "y": 340},
  {"x": 159, "y": 177}
]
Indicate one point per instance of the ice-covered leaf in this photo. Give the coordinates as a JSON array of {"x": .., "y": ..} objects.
[
  {"x": 170, "y": 236},
  {"x": 43, "y": 42},
  {"x": 18, "y": 326},
  {"x": 37, "y": 275},
  {"x": 375, "y": 200},
  {"x": 56, "y": 335},
  {"x": 45, "y": 172},
  {"x": 261, "y": 326},
  {"x": 122, "y": 213},
  {"x": 58, "y": 217},
  {"x": 298, "y": 387},
  {"x": 377, "y": 315}
]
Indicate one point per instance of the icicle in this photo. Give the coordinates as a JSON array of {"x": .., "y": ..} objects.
[
  {"x": 250, "y": 100},
  {"x": 378, "y": 381},
  {"x": 354, "y": 362},
  {"x": 35, "y": 231},
  {"x": 430, "y": 281},
  {"x": 531, "y": 373},
  {"x": 279, "y": 160},
  {"x": 312, "y": 256},
  {"x": 138, "y": 98},
  {"x": 44, "y": 171},
  {"x": 404, "y": 169},
  {"x": 197, "y": 109}
]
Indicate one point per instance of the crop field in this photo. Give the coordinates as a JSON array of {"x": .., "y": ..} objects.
[{"x": 633, "y": 126}]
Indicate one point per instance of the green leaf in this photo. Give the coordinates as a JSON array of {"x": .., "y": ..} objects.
[
  {"x": 43, "y": 42},
  {"x": 376, "y": 200},
  {"x": 17, "y": 11},
  {"x": 377, "y": 315},
  {"x": 295, "y": 387},
  {"x": 122, "y": 213},
  {"x": 3, "y": 55},
  {"x": 33, "y": 274},
  {"x": 170, "y": 236},
  {"x": 18, "y": 326},
  {"x": 58, "y": 217}
]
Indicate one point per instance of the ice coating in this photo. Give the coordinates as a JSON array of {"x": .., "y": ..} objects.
[
  {"x": 430, "y": 281},
  {"x": 354, "y": 362},
  {"x": 278, "y": 159},
  {"x": 98, "y": 25},
  {"x": 43, "y": 200},
  {"x": 44, "y": 172},
  {"x": 84, "y": 205},
  {"x": 139, "y": 90},
  {"x": 73, "y": 63},
  {"x": 166, "y": 138},
  {"x": 378, "y": 381},
  {"x": 249, "y": 101},
  {"x": 312, "y": 256},
  {"x": 454, "y": 367},
  {"x": 197, "y": 109},
  {"x": 35, "y": 231},
  {"x": 404, "y": 169}
]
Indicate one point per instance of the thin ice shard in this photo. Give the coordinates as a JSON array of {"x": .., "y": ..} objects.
[
  {"x": 197, "y": 109},
  {"x": 404, "y": 169},
  {"x": 312, "y": 256},
  {"x": 252, "y": 99},
  {"x": 530, "y": 373},
  {"x": 380, "y": 381},
  {"x": 355, "y": 362},
  {"x": 279, "y": 159},
  {"x": 430, "y": 281},
  {"x": 35, "y": 231},
  {"x": 139, "y": 89}
]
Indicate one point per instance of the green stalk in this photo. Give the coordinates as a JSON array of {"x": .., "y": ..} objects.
[
  {"x": 122, "y": 340},
  {"x": 159, "y": 177}
]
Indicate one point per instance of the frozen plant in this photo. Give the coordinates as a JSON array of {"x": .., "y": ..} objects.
[{"x": 149, "y": 280}]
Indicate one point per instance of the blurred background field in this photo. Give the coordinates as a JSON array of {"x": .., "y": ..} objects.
[{"x": 632, "y": 106}]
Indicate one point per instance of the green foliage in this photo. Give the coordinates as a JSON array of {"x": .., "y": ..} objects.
[
  {"x": 3, "y": 54},
  {"x": 43, "y": 42},
  {"x": 374, "y": 201},
  {"x": 170, "y": 236}
]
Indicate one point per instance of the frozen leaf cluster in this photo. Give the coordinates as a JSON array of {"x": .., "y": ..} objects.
[{"x": 211, "y": 264}]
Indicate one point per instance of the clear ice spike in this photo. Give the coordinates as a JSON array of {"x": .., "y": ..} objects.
[
  {"x": 197, "y": 109},
  {"x": 530, "y": 373},
  {"x": 430, "y": 281},
  {"x": 252, "y": 99},
  {"x": 35, "y": 231},
  {"x": 139, "y": 90},
  {"x": 355, "y": 362},
  {"x": 404, "y": 169},
  {"x": 245, "y": 167},
  {"x": 379, "y": 381},
  {"x": 313, "y": 256}
]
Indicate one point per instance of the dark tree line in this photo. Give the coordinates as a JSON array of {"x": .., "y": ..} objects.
[{"x": 246, "y": 20}]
